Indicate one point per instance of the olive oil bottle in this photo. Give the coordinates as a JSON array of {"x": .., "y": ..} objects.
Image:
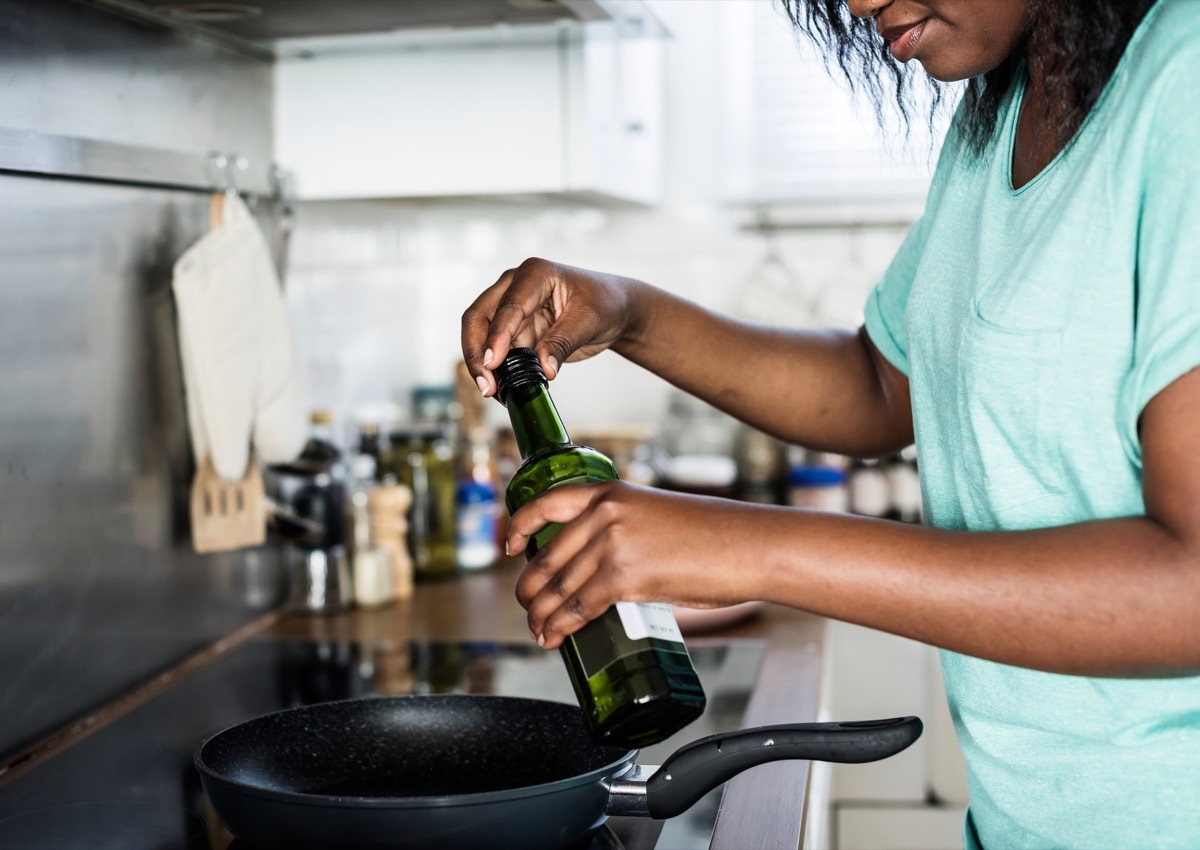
[{"x": 630, "y": 669}]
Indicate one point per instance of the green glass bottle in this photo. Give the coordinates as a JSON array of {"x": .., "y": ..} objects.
[{"x": 630, "y": 669}]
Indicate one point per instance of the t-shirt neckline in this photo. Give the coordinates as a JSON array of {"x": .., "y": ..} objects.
[{"x": 1017, "y": 100}]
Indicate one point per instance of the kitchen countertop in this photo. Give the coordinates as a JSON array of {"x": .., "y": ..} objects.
[
  {"x": 759, "y": 808},
  {"x": 122, "y": 777}
]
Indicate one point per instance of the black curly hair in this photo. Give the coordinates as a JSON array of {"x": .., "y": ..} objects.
[{"x": 1074, "y": 45}]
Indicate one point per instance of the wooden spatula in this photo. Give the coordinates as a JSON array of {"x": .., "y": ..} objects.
[{"x": 227, "y": 514}]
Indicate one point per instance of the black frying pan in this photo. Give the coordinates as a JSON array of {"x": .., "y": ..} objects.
[{"x": 462, "y": 771}]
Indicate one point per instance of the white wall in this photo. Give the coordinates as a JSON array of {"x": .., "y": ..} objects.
[{"x": 377, "y": 288}]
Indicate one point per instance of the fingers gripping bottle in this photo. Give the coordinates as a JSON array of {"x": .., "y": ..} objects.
[{"x": 630, "y": 669}]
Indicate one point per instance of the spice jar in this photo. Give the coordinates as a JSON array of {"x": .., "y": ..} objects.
[{"x": 821, "y": 488}]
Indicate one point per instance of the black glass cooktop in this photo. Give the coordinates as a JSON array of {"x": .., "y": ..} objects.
[{"x": 131, "y": 785}]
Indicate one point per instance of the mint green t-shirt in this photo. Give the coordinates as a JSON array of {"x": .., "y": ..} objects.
[{"x": 1034, "y": 326}]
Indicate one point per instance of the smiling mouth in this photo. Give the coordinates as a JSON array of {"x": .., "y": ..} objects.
[{"x": 903, "y": 41}]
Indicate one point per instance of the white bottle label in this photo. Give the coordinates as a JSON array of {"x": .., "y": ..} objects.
[{"x": 649, "y": 620}]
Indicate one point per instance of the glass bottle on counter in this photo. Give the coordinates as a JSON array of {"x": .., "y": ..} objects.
[
  {"x": 476, "y": 503},
  {"x": 420, "y": 458},
  {"x": 370, "y": 442},
  {"x": 321, "y": 451},
  {"x": 370, "y": 564},
  {"x": 630, "y": 668},
  {"x": 320, "y": 472},
  {"x": 761, "y": 467}
]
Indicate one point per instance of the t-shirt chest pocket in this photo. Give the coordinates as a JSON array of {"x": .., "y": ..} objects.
[{"x": 1008, "y": 378}]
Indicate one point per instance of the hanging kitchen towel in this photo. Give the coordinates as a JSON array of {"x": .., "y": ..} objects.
[{"x": 236, "y": 345}]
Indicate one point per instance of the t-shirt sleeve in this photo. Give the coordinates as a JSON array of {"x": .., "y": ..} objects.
[
  {"x": 886, "y": 305},
  {"x": 1167, "y": 291},
  {"x": 884, "y": 311}
]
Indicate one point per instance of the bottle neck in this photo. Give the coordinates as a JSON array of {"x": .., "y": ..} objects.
[
  {"x": 535, "y": 420},
  {"x": 321, "y": 430}
]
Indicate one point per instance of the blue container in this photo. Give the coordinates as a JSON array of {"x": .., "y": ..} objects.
[{"x": 478, "y": 510}]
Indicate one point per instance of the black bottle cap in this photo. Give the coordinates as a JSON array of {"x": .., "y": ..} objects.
[{"x": 520, "y": 367}]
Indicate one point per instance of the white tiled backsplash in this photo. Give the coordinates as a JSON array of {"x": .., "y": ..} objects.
[{"x": 376, "y": 289}]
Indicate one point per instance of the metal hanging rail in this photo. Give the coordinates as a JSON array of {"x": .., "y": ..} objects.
[
  {"x": 28, "y": 152},
  {"x": 143, "y": 14}
]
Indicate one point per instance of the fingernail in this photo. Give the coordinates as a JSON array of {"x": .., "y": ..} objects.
[
  {"x": 506, "y": 549},
  {"x": 487, "y": 358},
  {"x": 552, "y": 362},
  {"x": 541, "y": 639},
  {"x": 482, "y": 383}
]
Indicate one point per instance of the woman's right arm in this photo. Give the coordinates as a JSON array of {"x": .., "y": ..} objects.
[{"x": 824, "y": 389}]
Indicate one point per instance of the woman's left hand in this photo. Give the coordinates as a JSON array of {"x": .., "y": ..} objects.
[{"x": 624, "y": 542}]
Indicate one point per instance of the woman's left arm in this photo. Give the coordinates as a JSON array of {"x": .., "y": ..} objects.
[{"x": 1113, "y": 597}]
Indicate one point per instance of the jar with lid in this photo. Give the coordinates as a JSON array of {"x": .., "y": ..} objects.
[
  {"x": 821, "y": 488},
  {"x": 701, "y": 475},
  {"x": 869, "y": 491}
]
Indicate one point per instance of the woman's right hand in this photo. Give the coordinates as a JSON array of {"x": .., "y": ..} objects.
[{"x": 564, "y": 313}]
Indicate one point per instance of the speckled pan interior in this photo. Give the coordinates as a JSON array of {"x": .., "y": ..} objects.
[{"x": 413, "y": 746}]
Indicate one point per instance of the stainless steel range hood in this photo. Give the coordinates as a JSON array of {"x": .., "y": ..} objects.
[{"x": 259, "y": 27}]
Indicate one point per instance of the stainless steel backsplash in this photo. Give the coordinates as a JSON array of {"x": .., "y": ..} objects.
[{"x": 99, "y": 587}]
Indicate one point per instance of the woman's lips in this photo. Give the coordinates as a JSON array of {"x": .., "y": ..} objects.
[{"x": 904, "y": 45}]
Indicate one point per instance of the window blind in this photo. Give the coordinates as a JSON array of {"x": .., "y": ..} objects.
[{"x": 811, "y": 140}]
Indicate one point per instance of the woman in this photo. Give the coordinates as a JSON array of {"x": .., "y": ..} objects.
[{"x": 1038, "y": 335}]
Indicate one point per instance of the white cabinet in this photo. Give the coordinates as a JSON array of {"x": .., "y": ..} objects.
[
  {"x": 918, "y": 797},
  {"x": 568, "y": 109}
]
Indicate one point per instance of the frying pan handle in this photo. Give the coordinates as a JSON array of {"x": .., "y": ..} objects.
[{"x": 695, "y": 769}]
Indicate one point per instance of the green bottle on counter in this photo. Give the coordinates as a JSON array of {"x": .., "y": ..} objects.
[{"x": 629, "y": 667}]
